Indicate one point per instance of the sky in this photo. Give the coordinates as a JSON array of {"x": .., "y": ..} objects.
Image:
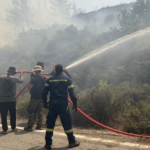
[{"x": 89, "y": 5}]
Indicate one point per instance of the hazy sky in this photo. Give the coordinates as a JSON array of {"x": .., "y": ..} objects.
[{"x": 89, "y": 5}]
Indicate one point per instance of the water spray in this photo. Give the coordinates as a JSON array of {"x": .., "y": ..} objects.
[{"x": 109, "y": 46}]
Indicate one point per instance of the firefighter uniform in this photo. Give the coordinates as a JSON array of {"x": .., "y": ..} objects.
[{"x": 59, "y": 85}]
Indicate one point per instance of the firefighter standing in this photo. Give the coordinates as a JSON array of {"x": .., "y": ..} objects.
[
  {"x": 32, "y": 75},
  {"x": 7, "y": 98},
  {"x": 36, "y": 87},
  {"x": 59, "y": 85}
]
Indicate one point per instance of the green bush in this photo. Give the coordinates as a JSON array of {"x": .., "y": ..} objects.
[
  {"x": 99, "y": 103},
  {"x": 124, "y": 107},
  {"x": 22, "y": 105},
  {"x": 138, "y": 117}
]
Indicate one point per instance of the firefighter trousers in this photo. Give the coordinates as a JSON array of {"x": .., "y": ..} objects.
[
  {"x": 63, "y": 111},
  {"x": 36, "y": 105},
  {"x": 5, "y": 107}
]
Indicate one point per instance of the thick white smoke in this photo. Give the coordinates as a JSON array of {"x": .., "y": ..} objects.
[
  {"x": 5, "y": 29},
  {"x": 22, "y": 15}
]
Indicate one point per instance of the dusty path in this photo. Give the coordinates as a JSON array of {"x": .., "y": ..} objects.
[
  {"x": 35, "y": 141},
  {"x": 95, "y": 133}
]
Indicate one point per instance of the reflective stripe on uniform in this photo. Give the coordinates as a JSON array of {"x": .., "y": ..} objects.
[
  {"x": 69, "y": 131},
  {"x": 49, "y": 130},
  {"x": 58, "y": 80},
  {"x": 46, "y": 84},
  {"x": 71, "y": 86}
]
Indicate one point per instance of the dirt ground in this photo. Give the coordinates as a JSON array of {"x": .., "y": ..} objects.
[{"x": 93, "y": 133}]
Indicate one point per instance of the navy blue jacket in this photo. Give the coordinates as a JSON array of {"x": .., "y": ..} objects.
[
  {"x": 59, "y": 85},
  {"x": 66, "y": 72}
]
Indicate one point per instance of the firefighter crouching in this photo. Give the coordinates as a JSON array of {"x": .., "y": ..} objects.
[{"x": 59, "y": 85}]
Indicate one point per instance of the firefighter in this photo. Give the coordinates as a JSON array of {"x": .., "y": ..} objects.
[
  {"x": 36, "y": 87},
  {"x": 32, "y": 75},
  {"x": 59, "y": 85},
  {"x": 38, "y": 64},
  {"x": 53, "y": 73},
  {"x": 7, "y": 98}
]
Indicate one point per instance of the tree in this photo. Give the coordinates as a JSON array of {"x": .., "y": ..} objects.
[
  {"x": 76, "y": 11},
  {"x": 137, "y": 18}
]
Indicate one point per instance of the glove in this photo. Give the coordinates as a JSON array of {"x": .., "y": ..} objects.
[
  {"x": 75, "y": 107},
  {"x": 45, "y": 104}
]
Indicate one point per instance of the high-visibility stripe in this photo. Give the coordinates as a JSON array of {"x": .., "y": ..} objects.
[
  {"x": 71, "y": 86},
  {"x": 69, "y": 131},
  {"x": 58, "y": 80},
  {"x": 49, "y": 130},
  {"x": 46, "y": 84}
]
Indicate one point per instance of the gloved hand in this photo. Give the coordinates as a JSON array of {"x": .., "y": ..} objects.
[
  {"x": 75, "y": 107},
  {"x": 45, "y": 104},
  {"x": 64, "y": 69}
]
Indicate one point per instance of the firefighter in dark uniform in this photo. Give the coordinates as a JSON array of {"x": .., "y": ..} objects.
[{"x": 59, "y": 85}]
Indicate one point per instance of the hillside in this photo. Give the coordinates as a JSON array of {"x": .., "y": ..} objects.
[{"x": 103, "y": 19}]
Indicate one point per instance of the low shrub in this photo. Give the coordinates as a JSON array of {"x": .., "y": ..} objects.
[
  {"x": 22, "y": 105},
  {"x": 124, "y": 107}
]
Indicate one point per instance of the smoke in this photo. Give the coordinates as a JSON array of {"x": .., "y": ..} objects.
[
  {"x": 127, "y": 61},
  {"x": 6, "y": 30},
  {"x": 17, "y": 16},
  {"x": 37, "y": 40},
  {"x": 102, "y": 20},
  {"x": 108, "y": 46}
]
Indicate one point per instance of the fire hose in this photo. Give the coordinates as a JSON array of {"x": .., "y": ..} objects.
[{"x": 85, "y": 115}]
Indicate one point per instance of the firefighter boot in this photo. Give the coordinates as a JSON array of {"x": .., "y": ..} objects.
[
  {"x": 48, "y": 147},
  {"x": 75, "y": 144},
  {"x": 28, "y": 129}
]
